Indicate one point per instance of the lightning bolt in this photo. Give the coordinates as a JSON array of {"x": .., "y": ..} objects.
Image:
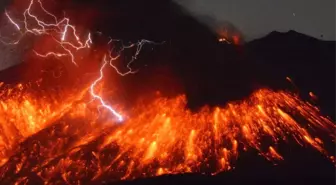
[
  {"x": 61, "y": 31},
  {"x": 99, "y": 98},
  {"x": 138, "y": 46},
  {"x": 11, "y": 21}
]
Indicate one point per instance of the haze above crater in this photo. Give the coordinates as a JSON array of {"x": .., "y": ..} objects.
[{"x": 257, "y": 18}]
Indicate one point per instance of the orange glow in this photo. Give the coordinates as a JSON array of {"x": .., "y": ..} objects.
[
  {"x": 229, "y": 36},
  {"x": 160, "y": 137},
  {"x": 24, "y": 113},
  {"x": 313, "y": 96},
  {"x": 66, "y": 137},
  {"x": 236, "y": 39}
]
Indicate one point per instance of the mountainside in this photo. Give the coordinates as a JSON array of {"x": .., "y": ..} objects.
[
  {"x": 215, "y": 73},
  {"x": 309, "y": 62},
  {"x": 209, "y": 72}
]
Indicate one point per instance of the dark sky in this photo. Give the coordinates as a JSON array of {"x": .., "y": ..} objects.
[{"x": 255, "y": 18}]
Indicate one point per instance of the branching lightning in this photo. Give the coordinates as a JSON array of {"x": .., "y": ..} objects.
[
  {"x": 61, "y": 31},
  {"x": 96, "y": 96},
  {"x": 138, "y": 46},
  {"x": 60, "y": 140}
]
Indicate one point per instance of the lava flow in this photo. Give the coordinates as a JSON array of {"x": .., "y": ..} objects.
[
  {"x": 72, "y": 136},
  {"x": 162, "y": 137}
]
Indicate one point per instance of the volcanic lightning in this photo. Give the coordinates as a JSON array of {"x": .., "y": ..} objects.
[
  {"x": 58, "y": 137},
  {"x": 94, "y": 95},
  {"x": 63, "y": 28}
]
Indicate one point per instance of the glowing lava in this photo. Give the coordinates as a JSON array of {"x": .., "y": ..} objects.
[
  {"x": 24, "y": 113},
  {"x": 58, "y": 140},
  {"x": 66, "y": 37},
  {"x": 162, "y": 137}
]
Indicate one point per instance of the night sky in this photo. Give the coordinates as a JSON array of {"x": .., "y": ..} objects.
[
  {"x": 212, "y": 73},
  {"x": 257, "y": 18}
]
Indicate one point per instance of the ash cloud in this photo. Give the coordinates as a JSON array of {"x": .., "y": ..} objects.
[
  {"x": 204, "y": 67},
  {"x": 209, "y": 72},
  {"x": 222, "y": 27},
  {"x": 190, "y": 51}
]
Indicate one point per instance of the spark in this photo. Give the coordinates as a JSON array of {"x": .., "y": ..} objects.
[
  {"x": 224, "y": 40},
  {"x": 150, "y": 142}
]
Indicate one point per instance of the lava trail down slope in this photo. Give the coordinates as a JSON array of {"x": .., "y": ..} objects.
[{"x": 80, "y": 110}]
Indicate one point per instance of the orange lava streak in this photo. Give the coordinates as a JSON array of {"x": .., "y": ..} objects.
[
  {"x": 24, "y": 113},
  {"x": 59, "y": 140},
  {"x": 164, "y": 137},
  {"x": 179, "y": 140}
]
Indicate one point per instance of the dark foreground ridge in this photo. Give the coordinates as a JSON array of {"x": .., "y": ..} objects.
[
  {"x": 260, "y": 174},
  {"x": 215, "y": 73}
]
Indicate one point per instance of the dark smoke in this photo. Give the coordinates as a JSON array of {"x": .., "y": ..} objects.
[
  {"x": 210, "y": 72},
  {"x": 193, "y": 61},
  {"x": 3, "y": 4}
]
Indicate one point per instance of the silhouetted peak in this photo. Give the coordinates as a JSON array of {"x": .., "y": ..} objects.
[
  {"x": 290, "y": 36},
  {"x": 295, "y": 34},
  {"x": 290, "y": 32}
]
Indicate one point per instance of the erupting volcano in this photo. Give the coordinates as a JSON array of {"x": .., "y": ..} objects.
[{"x": 75, "y": 129}]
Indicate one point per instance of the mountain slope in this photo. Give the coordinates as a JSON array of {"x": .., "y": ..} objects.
[{"x": 309, "y": 62}]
